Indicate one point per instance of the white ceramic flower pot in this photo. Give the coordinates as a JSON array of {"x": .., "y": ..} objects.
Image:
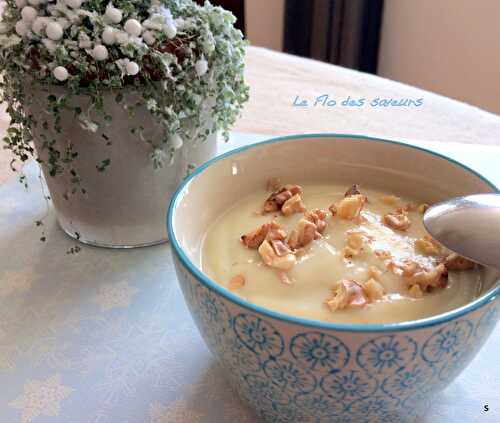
[{"x": 126, "y": 204}]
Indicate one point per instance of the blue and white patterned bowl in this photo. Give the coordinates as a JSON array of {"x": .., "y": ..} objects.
[{"x": 295, "y": 370}]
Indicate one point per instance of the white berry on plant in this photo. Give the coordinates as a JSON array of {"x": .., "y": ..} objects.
[
  {"x": 21, "y": 28},
  {"x": 132, "y": 68},
  {"x": 100, "y": 53},
  {"x": 39, "y": 24},
  {"x": 201, "y": 67},
  {"x": 108, "y": 36},
  {"x": 113, "y": 14},
  {"x": 54, "y": 30},
  {"x": 149, "y": 37},
  {"x": 29, "y": 14},
  {"x": 49, "y": 44},
  {"x": 60, "y": 73},
  {"x": 133, "y": 27},
  {"x": 121, "y": 37}
]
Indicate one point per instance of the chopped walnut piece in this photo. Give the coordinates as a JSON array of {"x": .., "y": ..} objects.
[
  {"x": 415, "y": 291},
  {"x": 422, "y": 208},
  {"x": 280, "y": 248},
  {"x": 276, "y": 200},
  {"x": 355, "y": 244},
  {"x": 303, "y": 234},
  {"x": 254, "y": 238},
  {"x": 293, "y": 239},
  {"x": 405, "y": 268},
  {"x": 374, "y": 273},
  {"x": 415, "y": 274},
  {"x": 391, "y": 200},
  {"x": 398, "y": 220},
  {"x": 428, "y": 279},
  {"x": 318, "y": 217},
  {"x": 347, "y": 293},
  {"x": 308, "y": 229},
  {"x": 456, "y": 262},
  {"x": 394, "y": 268},
  {"x": 236, "y": 282},
  {"x": 267, "y": 253},
  {"x": 271, "y": 258},
  {"x": 353, "y": 190},
  {"x": 350, "y": 207},
  {"x": 355, "y": 240},
  {"x": 294, "y": 189},
  {"x": 382, "y": 254},
  {"x": 276, "y": 232},
  {"x": 409, "y": 269},
  {"x": 349, "y": 252},
  {"x": 270, "y": 231},
  {"x": 333, "y": 209},
  {"x": 428, "y": 246},
  {"x": 293, "y": 205},
  {"x": 373, "y": 289}
]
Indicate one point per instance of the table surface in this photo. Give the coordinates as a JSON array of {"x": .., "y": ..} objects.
[
  {"x": 276, "y": 79},
  {"x": 104, "y": 336}
]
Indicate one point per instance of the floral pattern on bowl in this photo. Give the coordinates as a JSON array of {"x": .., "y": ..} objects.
[{"x": 293, "y": 373}]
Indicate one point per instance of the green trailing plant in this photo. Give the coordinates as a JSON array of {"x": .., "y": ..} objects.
[{"x": 176, "y": 57}]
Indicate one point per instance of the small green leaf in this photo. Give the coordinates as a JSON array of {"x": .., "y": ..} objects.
[{"x": 101, "y": 167}]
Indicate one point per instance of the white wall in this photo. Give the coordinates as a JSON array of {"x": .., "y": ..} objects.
[
  {"x": 264, "y": 23},
  {"x": 451, "y": 47}
]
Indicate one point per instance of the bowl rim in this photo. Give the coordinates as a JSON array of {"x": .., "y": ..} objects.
[{"x": 483, "y": 300}]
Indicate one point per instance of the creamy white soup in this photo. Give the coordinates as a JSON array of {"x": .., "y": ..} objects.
[{"x": 319, "y": 252}]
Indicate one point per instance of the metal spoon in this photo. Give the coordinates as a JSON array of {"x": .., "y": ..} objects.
[{"x": 469, "y": 226}]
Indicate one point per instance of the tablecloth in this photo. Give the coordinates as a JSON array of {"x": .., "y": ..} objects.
[{"x": 104, "y": 336}]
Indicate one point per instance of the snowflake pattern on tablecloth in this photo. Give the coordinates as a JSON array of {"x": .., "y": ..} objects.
[
  {"x": 130, "y": 354},
  {"x": 41, "y": 398},
  {"x": 8, "y": 357},
  {"x": 178, "y": 411},
  {"x": 37, "y": 332},
  {"x": 115, "y": 295}
]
